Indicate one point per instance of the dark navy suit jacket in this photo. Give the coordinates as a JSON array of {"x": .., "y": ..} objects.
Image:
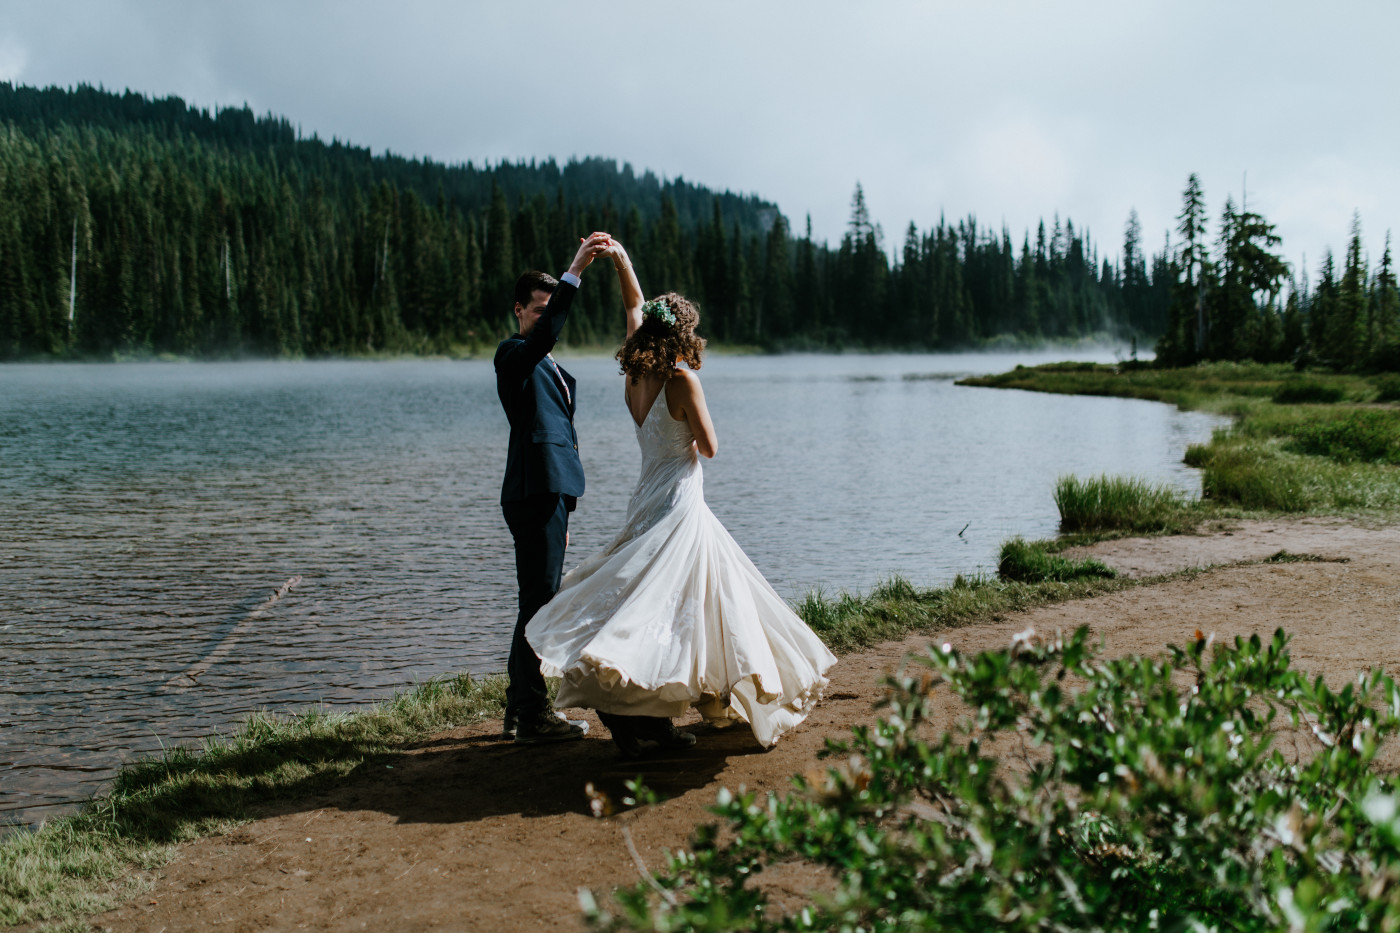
[{"x": 543, "y": 452}]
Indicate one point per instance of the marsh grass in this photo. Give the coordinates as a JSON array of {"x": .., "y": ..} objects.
[
  {"x": 1269, "y": 476},
  {"x": 1117, "y": 503},
  {"x": 80, "y": 864},
  {"x": 1192, "y": 388}
]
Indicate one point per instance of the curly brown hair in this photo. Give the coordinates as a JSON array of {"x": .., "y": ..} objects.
[{"x": 655, "y": 346}]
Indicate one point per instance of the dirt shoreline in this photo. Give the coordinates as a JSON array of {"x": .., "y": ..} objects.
[{"x": 463, "y": 831}]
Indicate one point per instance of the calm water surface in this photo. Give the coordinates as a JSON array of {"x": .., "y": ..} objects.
[{"x": 148, "y": 512}]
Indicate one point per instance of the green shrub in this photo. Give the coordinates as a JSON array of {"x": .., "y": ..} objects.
[
  {"x": 1117, "y": 503},
  {"x": 1388, "y": 388},
  {"x": 1078, "y": 794},
  {"x": 1308, "y": 393},
  {"x": 1030, "y": 562},
  {"x": 1369, "y": 436}
]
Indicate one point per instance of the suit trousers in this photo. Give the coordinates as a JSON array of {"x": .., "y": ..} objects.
[{"x": 539, "y": 524}]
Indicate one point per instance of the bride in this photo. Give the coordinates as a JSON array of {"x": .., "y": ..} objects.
[{"x": 672, "y": 614}]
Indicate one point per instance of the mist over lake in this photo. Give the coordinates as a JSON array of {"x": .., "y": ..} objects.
[{"x": 149, "y": 512}]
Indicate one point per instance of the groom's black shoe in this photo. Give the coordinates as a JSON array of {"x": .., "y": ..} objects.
[
  {"x": 510, "y": 724},
  {"x": 547, "y": 727}
]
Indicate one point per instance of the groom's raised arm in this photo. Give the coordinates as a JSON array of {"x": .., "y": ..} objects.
[{"x": 518, "y": 360}]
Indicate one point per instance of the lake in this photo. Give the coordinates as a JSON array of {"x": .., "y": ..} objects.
[{"x": 149, "y": 512}]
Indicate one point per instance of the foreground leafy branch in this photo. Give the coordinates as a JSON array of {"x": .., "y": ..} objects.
[{"x": 1212, "y": 788}]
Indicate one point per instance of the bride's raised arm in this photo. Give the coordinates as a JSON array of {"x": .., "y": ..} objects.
[{"x": 631, "y": 288}]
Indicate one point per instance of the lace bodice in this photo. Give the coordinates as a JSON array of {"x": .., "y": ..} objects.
[
  {"x": 662, "y": 437},
  {"x": 670, "y": 470}
]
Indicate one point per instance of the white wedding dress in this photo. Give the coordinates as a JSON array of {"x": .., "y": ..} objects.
[{"x": 673, "y": 614}]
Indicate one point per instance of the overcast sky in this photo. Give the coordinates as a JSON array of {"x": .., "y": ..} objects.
[{"x": 1008, "y": 110}]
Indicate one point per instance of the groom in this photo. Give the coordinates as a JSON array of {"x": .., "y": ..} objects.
[{"x": 543, "y": 481}]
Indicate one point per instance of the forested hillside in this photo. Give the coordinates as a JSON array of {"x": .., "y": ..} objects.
[{"x": 138, "y": 225}]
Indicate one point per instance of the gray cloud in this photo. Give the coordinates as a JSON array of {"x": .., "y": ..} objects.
[{"x": 1009, "y": 110}]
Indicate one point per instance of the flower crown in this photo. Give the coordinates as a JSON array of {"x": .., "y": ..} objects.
[{"x": 658, "y": 308}]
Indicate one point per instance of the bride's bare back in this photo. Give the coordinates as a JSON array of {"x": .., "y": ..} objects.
[{"x": 685, "y": 400}]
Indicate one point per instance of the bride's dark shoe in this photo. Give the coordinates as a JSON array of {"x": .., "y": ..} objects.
[
  {"x": 664, "y": 733},
  {"x": 624, "y": 735},
  {"x": 675, "y": 738}
]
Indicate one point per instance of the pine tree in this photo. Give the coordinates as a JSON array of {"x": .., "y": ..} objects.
[
  {"x": 663, "y": 251},
  {"x": 859, "y": 227},
  {"x": 1322, "y": 310},
  {"x": 809, "y": 317},
  {"x": 1346, "y": 343},
  {"x": 1294, "y": 340},
  {"x": 1185, "y": 337},
  {"x": 775, "y": 302},
  {"x": 741, "y": 312},
  {"x": 1134, "y": 273},
  {"x": 1385, "y": 307},
  {"x": 713, "y": 260},
  {"x": 499, "y": 264}
]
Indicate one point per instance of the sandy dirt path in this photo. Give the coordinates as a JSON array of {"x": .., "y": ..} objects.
[{"x": 464, "y": 831}]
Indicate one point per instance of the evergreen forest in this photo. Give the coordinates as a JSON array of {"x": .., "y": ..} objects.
[
  {"x": 1236, "y": 298},
  {"x": 132, "y": 225}
]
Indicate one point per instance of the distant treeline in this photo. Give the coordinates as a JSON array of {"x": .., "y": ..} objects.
[
  {"x": 1241, "y": 301},
  {"x": 133, "y": 225}
]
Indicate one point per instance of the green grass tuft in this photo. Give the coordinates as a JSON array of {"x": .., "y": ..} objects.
[
  {"x": 1031, "y": 562},
  {"x": 1196, "y": 455},
  {"x": 1116, "y": 503},
  {"x": 1288, "y": 557}
]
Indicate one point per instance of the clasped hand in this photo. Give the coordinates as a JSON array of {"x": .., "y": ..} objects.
[{"x": 590, "y": 248}]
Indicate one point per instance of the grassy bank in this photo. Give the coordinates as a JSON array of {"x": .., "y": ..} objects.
[
  {"x": 78, "y": 865},
  {"x": 1300, "y": 442}
]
